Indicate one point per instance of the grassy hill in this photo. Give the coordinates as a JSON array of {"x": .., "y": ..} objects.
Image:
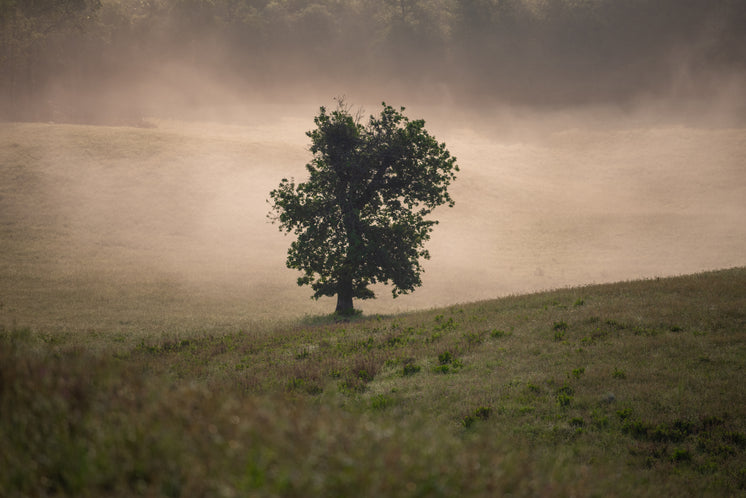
[
  {"x": 623, "y": 389},
  {"x": 152, "y": 342}
]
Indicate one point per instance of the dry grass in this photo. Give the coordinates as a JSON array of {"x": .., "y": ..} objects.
[
  {"x": 641, "y": 394},
  {"x": 151, "y": 343},
  {"x": 164, "y": 229}
]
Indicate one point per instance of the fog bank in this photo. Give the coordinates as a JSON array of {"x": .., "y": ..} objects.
[{"x": 124, "y": 225}]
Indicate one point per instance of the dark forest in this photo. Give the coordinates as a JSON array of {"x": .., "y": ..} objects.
[{"x": 116, "y": 60}]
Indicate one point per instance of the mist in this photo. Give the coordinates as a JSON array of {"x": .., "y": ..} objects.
[
  {"x": 121, "y": 61},
  {"x": 587, "y": 155}
]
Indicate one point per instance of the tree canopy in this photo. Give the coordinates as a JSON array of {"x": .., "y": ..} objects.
[{"x": 362, "y": 216}]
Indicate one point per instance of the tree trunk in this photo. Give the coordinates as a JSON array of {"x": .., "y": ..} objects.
[{"x": 344, "y": 298}]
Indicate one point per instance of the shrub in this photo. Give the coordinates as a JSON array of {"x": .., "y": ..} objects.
[
  {"x": 599, "y": 420},
  {"x": 635, "y": 428},
  {"x": 564, "y": 396},
  {"x": 624, "y": 413},
  {"x": 445, "y": 357},
  {"x": 473, "y": 338},
  {"x": 577, "y": 422},
  {"x": 564, "y": 400},
  {"x": 444, "y": 324},
  {"x": 483, "y": 412},
  {"x": 443, "y": 369},
  {"x": 468, "y": 421},
  {"x": 681, "y": 455},
  {"x": 410, "y": 368},
  {"x": 447, "y": 362},
  {"x": 364, "y": 376}
]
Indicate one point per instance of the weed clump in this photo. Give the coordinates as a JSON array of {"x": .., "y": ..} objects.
[
  {"x": 410, "y": 367},
  {"x": 445, "y": 358},
  {"x": 443, "y": 324},
  {"x": 473, "y": 338},
  {"x": 480, "y": 413},
  {"x": 447, "y": 362},
  {"x": 497, "y": 333},
  {"x": 681, "y": 455},
  {"x": 564, "y": 396},
  {"x": 559, "y": 330}
]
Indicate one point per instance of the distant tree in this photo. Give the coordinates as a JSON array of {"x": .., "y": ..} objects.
[{"x": 360, "y": 218}]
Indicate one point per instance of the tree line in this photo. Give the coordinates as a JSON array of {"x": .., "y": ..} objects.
[{"x": 538, "y": 52}]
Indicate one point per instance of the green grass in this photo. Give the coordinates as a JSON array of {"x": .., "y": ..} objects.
[{"x": 643, "y": 394}]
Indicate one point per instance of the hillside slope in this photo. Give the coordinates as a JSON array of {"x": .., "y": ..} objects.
[{"x": 626, "y": 389}]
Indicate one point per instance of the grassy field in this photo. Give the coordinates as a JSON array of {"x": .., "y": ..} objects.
[
  {"x": 621, "y": 389},
  {"x": 152, "y": 342},
  {"x": 165, "y": 228}
]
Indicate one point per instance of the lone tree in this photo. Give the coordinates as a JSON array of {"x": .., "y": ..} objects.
[{"x": 360, "y": 217}]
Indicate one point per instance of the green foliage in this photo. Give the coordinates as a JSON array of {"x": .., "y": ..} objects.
[
  {"x": 564, "y": 396},
  {"x": 445, "y": 358},
  {"x": 624, "y": 414},
  {"x": 443, "y": 324},
  {"x": 473, "y": 338},
  {"x": 303, "y": 355},
  {"x": 577, "y": 422},
  {"x": 360, "y": 218},
  {"x": 480, "y": 413},
  {"x": 447, "y": 362},
  {"x": 468, "y": 421},
  {"x": 381, "y": 402},
  {"x": 619, "y": 374},
  {"x": 681, "y": 455},
  {"x": 497, "y": 333},
  {"x": 483, "y": 412},
  {"x": 599, "y": 420},
  {"x": 410, "y": 367},
  {"x": 561, "y": 326}
]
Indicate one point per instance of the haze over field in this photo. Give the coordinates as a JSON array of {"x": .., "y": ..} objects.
[
  {"x": 172, "y": 220},
  {"x": 582, "y": 160}
]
